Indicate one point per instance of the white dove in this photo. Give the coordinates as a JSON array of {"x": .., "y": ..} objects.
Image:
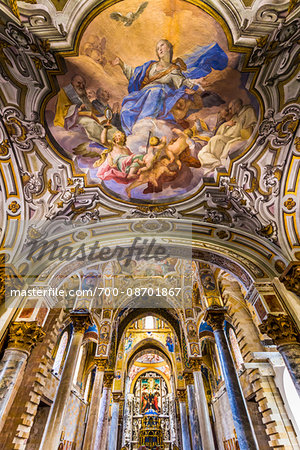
[{"x": 130, "y": 17}]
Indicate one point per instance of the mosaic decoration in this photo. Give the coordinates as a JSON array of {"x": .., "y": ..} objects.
[{"x": 150, "y": 358}]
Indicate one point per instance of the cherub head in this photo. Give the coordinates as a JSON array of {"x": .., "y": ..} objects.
[{"x": 119, "y": 138}]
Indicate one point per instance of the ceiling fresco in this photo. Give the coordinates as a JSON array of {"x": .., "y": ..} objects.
[{"x": 154, "y": 103}]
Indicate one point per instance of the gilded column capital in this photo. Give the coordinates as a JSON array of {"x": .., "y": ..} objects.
[
  {"x": 280, "y": 328},
  {"x": 196, "y": 364},
  {"x": 291, "y": 277},
  {"x": 189, "y": 377},
  {"x": 101, "y": 363},
  {"x": 117, "y": 397},
  {"x": 24, "y": 335},
  {"x": 181, "y": 394},
  {"x": 108, "y": 378},
  {"x": 215, "y": 317},
  {"x": 81, "y": 319}
]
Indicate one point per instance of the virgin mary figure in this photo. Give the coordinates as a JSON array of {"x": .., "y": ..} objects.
[{"x": 156, "y": 87}]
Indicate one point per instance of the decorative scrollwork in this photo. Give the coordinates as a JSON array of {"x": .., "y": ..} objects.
[
  {"x": 22, "y": 132},
  {"x": 283, "y": 42},
  {"x": 33, "y": 184},
  {"x": 280, "y": 130},
  {"x": 153, "y": 212},
  {"x": 242, "y": 203},
  {"x": 27, "y": 46}
]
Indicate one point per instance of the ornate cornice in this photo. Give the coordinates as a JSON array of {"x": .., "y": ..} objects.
[
  {"x": 291, "y": 277},
  {"x": 280, "y": 328},
  {"x": 81, "y": 319},
  {"x": 215, "y": 317},
  {"x": 24, "y": 335}
]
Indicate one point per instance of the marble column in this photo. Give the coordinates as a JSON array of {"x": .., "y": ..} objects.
[
  {"x": 172, "y": 414},
  {"x": 22, "y": 337},
  {"x": 128, "y": 400},
  {"x": 193, "y": 412},
  {"x": 282, "y": 330},
  {"x": 51, "y": 441},
  {"x": 215, "y": 317},
  {"x": 186, "y": 441},
  {"x": 207, "y": 437},
  {"x": 113, "y": 431},
  {"x": 102, "y": 425},
  {"x": 90, "y": 434}
]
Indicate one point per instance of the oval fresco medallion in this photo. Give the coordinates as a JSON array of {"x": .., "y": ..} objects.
[{"x": 154, "y": 104}]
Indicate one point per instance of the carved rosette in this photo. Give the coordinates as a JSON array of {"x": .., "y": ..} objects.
[
  {"x": 101, "y": 363},
  {"x": 215, "y": 318},
  {"x": 291, "y": 277},
  {"x": 189, "y": 377},
  {"x": 24, "y": 335},
  {"x": 280, "y": 329},
  {"x": 108, "y": 379},
  {"x": 81, "y": 319},
  {"x": 181, "y": 394}
]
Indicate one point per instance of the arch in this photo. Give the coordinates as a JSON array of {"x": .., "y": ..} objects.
[
  {"x": 248, "y": 259},
  {"x": 142, "y": 312},
  {"x": 148, "y": 344},
  {"x": 145, "y": 351}
]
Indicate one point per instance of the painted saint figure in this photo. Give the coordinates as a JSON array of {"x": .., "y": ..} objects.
[
  {"x": 156, "y": 87},
  {"x": 169, "y": 343},
  {"x": 74, "y": 111}
]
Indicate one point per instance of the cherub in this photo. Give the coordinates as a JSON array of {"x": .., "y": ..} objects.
[
  {"x": 174, "y": 149},
  {"x": 152, "y": 175},
  {"x": 153, "y": 153}
]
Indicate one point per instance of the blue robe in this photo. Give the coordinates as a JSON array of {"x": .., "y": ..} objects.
[{"x": 157, "y": 100}]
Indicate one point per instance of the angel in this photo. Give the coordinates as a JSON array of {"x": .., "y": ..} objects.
[
  {"x": 152, "y": 175},
  {"x": 153, "y": 153},
  {"x": 130, "y": 17},
  {"x": 95, "y": 49},
  {"x": 174, "y": 149}
]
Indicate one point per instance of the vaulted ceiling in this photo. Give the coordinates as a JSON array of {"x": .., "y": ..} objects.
[{"x": 239, "y": 213}]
